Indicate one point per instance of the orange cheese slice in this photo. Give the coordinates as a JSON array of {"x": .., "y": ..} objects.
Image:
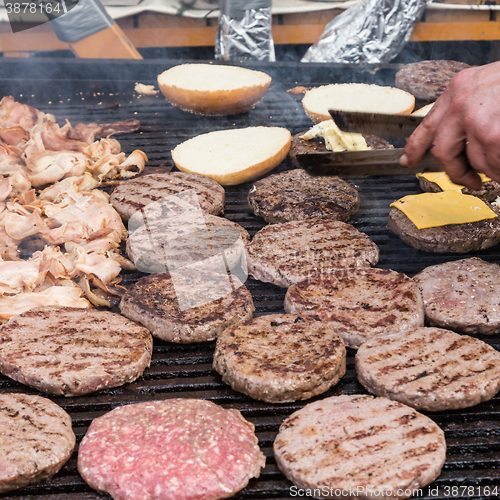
[
  {"x": 440, "y": 209},
  {"x": 444, "y": 182}
]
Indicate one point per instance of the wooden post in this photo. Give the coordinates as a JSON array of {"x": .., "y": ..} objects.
[{"x": 109, "y": 43}]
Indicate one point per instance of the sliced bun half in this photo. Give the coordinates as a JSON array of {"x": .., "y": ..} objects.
[
  {"x": 233, "y": 156},
  {"x": 212, "y": 89},
  {"x": 356, "y": 97},
  {"x": 423, "y": 111}
]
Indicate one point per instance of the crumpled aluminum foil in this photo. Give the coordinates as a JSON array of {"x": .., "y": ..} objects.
[
  {"x": 370, "y": 32},
  {"x": 244, "y": 31}
]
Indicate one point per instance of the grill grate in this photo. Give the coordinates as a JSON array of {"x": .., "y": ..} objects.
[{"x": 473, "y": 435}]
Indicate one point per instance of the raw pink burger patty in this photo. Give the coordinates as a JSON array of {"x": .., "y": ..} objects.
[{"x": 174, "y": 449}]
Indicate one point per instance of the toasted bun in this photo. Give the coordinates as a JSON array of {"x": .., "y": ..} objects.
[
  {"x": 356, "y": 97},
  {"x": 233, "y": 156},
  {"x": 210, "y": 89},
  {"x": 423, "y": 110}
]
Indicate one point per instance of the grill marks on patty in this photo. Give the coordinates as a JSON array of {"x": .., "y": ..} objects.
[
  {"x": 70, "y": 351},
  {"x": 287, "y": 253},
  {"x": 176, "y": 242},
  {"x": 154, "y": 302},
  {"x": 296, "y": 195},
  {"x": 463, "y": 295},
  {"x": 280, "y": 357},
  {"x": 132, "y": 196},
  {"x": 350, "y": 441},
  {"x": 430, "y": 369},
  {"x": 36, "y": 439},
  {"x": 359, "y": 303}
]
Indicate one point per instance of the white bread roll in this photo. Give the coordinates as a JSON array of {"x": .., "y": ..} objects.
[
  {"x": 356, "y": 97},
  {"x": 423, "y": 110},
  {"x": 212, "y": 89},
  {"x": 233, "y": 156}
]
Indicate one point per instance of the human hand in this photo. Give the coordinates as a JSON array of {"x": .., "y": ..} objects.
[{"x": 462, "y": 130}]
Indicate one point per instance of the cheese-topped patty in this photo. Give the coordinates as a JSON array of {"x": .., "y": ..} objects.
[
  {"x": 443, "y": 180},
  {"x": 435, "y": 182},
  {"x": 449, "y": 234},
  {"x": 440, "y": 209}
]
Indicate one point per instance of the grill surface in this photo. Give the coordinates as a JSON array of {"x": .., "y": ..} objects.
[{"x": 86, "y": 92}]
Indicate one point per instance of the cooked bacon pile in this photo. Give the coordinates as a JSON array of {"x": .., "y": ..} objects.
[
  {"x": 69, "y": 225},
  {"x": 35, "y": 151}
]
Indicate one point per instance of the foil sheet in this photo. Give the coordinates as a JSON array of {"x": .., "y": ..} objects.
[
  {"x": 370, "y": 32},
  {"x": 244, "y": 31}
]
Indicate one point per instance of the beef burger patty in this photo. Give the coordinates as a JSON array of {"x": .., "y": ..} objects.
[
  {"x": 463, "y": 295},
  {"x": 130, "y": 197},
  {"x": 290, "y": 252},
  {"x": 361, "y": 443},
  {"x": 71, "y": 352},
  {"x": 280, "y": 358},
  {"x": 359, "y": 303},
  {"x": 430, "y": 369},
  {"x": 177, "y": 449},
  {"x": 36, "y": 439},
  {"x": 296, "y": 195},
  {"x": 489, "y": 191},
  {"x": 427, "y": 80},
  {"x": 175, "y": 242},
  {"x": 455, "y": 238},
  {"x": 162, "y": 304}
]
